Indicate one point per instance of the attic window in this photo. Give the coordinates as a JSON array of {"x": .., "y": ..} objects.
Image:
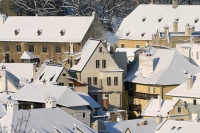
[
  {"x": 62, "y": 32},
  {"x": 142, "y": 34},
  {"x": 143, "y": 19},
  {"x": 173, "y": 128},
  {"x": 17, "y": 31},
  {"x": 39, "y": 32},
  {"x": 179, "y": 128},
  {"x": 196, "y": 20},
  {"x": 160, "y": 19},
  {"x": 127, "y": 33}
]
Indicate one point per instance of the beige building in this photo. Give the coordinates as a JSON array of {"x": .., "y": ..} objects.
[
  {"x": 157, "y": 71},
  {"x": 137, "y": 28},
  {"x": 98, "y": 69},
  {"x": 47, "y": 37}
]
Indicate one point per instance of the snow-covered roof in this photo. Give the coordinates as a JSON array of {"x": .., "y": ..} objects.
[
  {"x": 20, "y": 70},
  {"x": 132, "y": 27},
  {"x": 182, "y": 91},
  {"x": 5, "y": 97},
  {"x": 28, "y": 55},
  {"x": 13, "y": 80},
  {"x": 42, "y": 121},
  {"x": 121, "y": 126},
  {"x": 73, "y": 27},
  {"x": 64, "y": 95},
  {"x": 129, "y": 51},
  {"x": 86, "y": 53},
  {"x": 93, "y": 104},
  {"x": 172, "y": 126},
  {"x": 152, "y": 108},
  {"x": 49, "y": 73},
  {"x": 168, "y": 69}
]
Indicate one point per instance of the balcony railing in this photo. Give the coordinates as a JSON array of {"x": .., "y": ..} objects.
[
  {"x": 140, "y": 95},
  {"x": 134, "y": 107}
]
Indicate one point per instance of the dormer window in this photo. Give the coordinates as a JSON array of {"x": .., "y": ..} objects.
[
  {"x": 17, "y": 31},
  {"x": 160, "y": 19},
  {"x": 62, "y": 32},
  {"x": 142, "y": 34},
  {"x": 143, "y": 19},
  {"x": 127, "y": 33},
  {"x": 196, "y": 20},
  {"x": 39, "y": 32}
]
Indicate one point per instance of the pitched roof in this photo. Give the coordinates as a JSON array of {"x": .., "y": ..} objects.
[
  {"x": 86, "y": 53},
  {"x": 13, "y": 80},
  {"x": 134, "y": 26},
  {"x": 169, "y": 69},
  {"x": 171, "y": 126},
  {"x": 121, "y": 126},
  {"x": 64, "y": 95},
  {"x": 75, "y": 28},
  {"x": 48, "y": 120},
  {"x": 182, "y": 91},
  {"x": 49, "y": 73},
  {"x": 20, "y": 70},
  {"x": 152, "y": 108},
  {"x": 28, "y": 55},
  {"x": 93, "y": 104}
]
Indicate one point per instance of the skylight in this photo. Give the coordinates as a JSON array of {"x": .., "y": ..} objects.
[
  {"x": 173, "y": 128},
  {"x": 143, "y": 19}
]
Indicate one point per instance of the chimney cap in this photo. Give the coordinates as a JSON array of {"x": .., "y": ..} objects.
[{"x": 189, "y": 76}]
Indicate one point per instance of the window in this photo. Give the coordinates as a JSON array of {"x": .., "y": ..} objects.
[
  {"x": 31, "y": 48},
  {"x": 148, "y": 89},
  {"x": 7, "y": 48},
  {"x": 179, "y": 109},
  {"x": 197, "y": 55},
  {"x": 89, "y": 80},
  {"x": 115, "y": 80},
  {"x": 97, "y": 64},
  {"x": 194, "y": 102},
  {"x": 64, "y": 74},
  {"x": 137, "y": 45},
  {"x": 103, "y": 63},
  {"x": 122, "y": 45},
  {"x": 18, "y": 48},
  {"x": 44, "y": 49},
  {"x": 100, "y": 49},
  {"x": 94, "y": 80},
  {"x": 154, "y": 90},
  {"x": 83, "y": 115},
  {"x": 108, "y": 81},
  {"x": 57, "y": 49},
  {"x": 61, "y": 84}
]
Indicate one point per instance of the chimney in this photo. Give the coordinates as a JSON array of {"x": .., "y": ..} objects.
[
  {"x": 50, "y": 102},
  {"x": 175, "y": 26},
  {"x": 2, "y": 18},
  {"x": 147, "y": 65},
  {"x": 166, "y": 28},
  {"x": 175, "y": 3},
  {"x": 71, "y": 48},
  {"x": 12, "y": 106},
  {"x": 159, "y": 103},
  {"x": 189, "y": 81},
  {"x": 144, "y": 122},
  {"x": 105, "y": 102},
  {"x": 140, "y": 59},
  {"x": 34, "y": 71},
  {"x": 3, "y": 79},
  {"x": 119, "y": 118},
  {"x": 159, "y": 119},
  {"x": 187, "y": 29},
  {"x": 152, "y": 1},
  {"x": 191, "y": 40}
]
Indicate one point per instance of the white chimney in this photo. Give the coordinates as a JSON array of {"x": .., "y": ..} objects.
[
  {"x": 3, "y": 79},
  {"x": 191, "y": 40},
  {"x": 166, "y": 28},
  {"x": 175, "y": 3},
  {"x": 159, "y": 103},
  {"x": 175, "y": 26},
  {"x": 71, "y": 48},
  {"x": 34, "y": 71},
  {"x": 2, "y": 18},
  {"x": 147, "y": 65},
  {"x": 50, "y": 102},
  {"x": 187, "y": 29},
  {"x": 12, "y": 106},
  {"x": 140, "y": 60},
  {"x": 159, "y": 119},
  {"x": 189, "y": 81},
  {"x": 119, "y": 118}
]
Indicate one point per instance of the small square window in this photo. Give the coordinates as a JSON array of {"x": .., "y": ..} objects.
[
  {"x": 31, "y": 48},
  {"x": 64, "y": 74},
  {"x": 100, "y": 49},
  {"x": 44, "y": 49},
  {"x": 18, "y": 48},
  {"x": 58, "y": 49},
  {"x": 7, "y": 48},
  {"x": 122, "y": 45}
]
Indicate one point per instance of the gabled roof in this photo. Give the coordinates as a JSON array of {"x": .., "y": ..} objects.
[
  {"x": 64, "y": 95},
  {"x": 182, "y": 91},
  {"x": 152, "y": 108},
  {"x": 87, "y": 51},
  {"x": 93, "y": 104},
  {"x": 28, "y": 55},
  {"x": 121, "y": 126},
  {"x": 168, "y": 69},
  {"x": 172, "y": 126},
  {"x": 133, "y": 24},
  {"x": 43, "y": 120},
  {"x": 74, "y": 28},
  {"x": 49, "y": 73},
  {"x": 20, "y": 70}
]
